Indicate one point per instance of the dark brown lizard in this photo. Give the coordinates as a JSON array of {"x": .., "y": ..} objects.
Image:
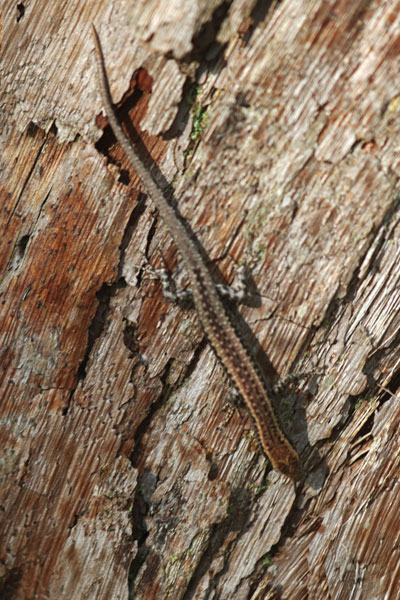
[{"x": 210, "y": 309}]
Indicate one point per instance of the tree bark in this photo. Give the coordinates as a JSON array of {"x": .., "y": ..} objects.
[{"x": 124, "y": 472}]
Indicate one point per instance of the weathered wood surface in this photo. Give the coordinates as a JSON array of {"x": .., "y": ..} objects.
[{"x": 116, "y": 440}]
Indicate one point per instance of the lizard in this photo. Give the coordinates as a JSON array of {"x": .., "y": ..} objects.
[{"x": 211, "y": 311}]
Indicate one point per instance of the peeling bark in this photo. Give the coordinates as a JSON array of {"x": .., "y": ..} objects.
[{"x": 119, "y": 454}]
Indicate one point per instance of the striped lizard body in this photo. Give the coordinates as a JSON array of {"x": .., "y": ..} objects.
[{"x": 210, "y": 309}]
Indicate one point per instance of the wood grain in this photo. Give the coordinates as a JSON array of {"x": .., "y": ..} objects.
[{"x": 116, "y": 442}]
